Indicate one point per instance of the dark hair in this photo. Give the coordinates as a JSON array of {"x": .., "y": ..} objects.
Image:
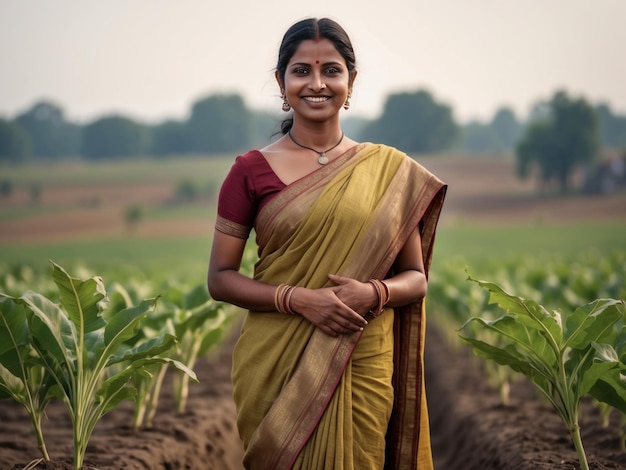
[{"x": 313, "y": 28}]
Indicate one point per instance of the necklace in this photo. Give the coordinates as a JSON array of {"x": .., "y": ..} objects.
[{"x": 322, "y": 159}]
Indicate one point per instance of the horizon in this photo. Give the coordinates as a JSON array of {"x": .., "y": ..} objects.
[{"x": 150, "y": 60}]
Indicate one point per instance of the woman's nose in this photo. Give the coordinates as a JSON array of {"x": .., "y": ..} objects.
[{"x": 316, "y": 83}]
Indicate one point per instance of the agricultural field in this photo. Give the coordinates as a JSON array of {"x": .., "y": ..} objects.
[{"x": 146, "y": 225}]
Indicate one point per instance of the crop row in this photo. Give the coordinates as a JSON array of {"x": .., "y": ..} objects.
[
  {"x": 559, "y": 323},
  {"x": 94, "y": 345}
]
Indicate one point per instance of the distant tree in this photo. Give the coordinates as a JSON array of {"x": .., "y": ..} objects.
[
  {"x": 168, "y": 138},
  {"x": 506, "y": 128},
  {"x": 413, "y": 122},
  {"x": 51, "y": 135},
  {"x": 612, "y": 127},
  {"x": 559, "y": 143},
  {"x": 218, "y": 124},
  {"x": 15, "y": 143},
  {"x": 113, "y": 137},
  {"x": 477, "y": 137},
  {"x": 263, "y": 127}
]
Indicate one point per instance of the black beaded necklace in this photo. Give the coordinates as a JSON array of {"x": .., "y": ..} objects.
[{"x": 322, "y": 159}]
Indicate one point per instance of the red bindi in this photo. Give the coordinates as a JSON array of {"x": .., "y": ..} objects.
[{"x": 317, "y": 61}]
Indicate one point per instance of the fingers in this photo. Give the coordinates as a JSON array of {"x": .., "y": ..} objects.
[{"x": 338, "y": 279}]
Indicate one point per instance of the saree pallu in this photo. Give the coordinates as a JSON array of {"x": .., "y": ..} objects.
[{"x": 308, "y": 400}]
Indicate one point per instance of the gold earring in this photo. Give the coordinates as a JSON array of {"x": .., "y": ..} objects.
[
  {"x": 346, "y": 105},
  {"x": 286, "y": 105}
]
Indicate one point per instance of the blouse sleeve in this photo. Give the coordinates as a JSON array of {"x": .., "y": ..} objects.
[{"x": 236, "y": 205}]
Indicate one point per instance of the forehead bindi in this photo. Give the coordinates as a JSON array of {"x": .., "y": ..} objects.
[{"x": 321, "y": 51}]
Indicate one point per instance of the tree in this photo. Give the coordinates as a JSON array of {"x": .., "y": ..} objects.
[
  {"x": 114, "y": 136},
  {"x": 168, "y": 138},
  {"x": 612, "y": 127},
  {"x": 413, "y": 122},
  {"x": 478, "y": 138},
  {"x": 15, "y": 144},
  {"x": 219, "y": 123},
  {"x": 506, "y": 128},
  {"x": 558, "y": 143},
  {"x": 51, "y": 135}
]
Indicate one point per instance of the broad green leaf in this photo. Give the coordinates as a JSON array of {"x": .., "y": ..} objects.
[
  {"x": 123, "y": 324},
  {"x": 13, "y": 385},
  {"x": 197, "y": 296},
  {"x": 529, "y": 312},
  {"x": 54, "y": 335},
  {"x": 609, "y": 373},
  {"x": 13, "y": 324},
  {"x": 151, "y": 347},
  {"x": 83, "y": 300},
  {"x": 529, "y": 341},
  {"x": 593, "y": 322}
]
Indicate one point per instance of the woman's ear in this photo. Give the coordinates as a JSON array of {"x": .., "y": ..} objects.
[
  {"x": 280, "y": 82},
  {"x": 351, "y": 80}
]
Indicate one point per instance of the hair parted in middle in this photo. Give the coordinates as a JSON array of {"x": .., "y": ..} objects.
[{"x": 313, "y": 29}]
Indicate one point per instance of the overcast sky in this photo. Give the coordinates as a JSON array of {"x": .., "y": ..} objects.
[{"x": 151, "y": 59}]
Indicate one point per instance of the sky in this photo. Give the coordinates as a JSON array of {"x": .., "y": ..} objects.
[{"x": 152, "y": 59}]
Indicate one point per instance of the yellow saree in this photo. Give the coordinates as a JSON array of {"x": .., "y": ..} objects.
[{"x": 307, "y": 400}]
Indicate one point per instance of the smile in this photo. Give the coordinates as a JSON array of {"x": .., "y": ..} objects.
[{"x": 316, "y": 99}]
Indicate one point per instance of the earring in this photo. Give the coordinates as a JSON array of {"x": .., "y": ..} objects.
[
  {"x": 286, "y": 105},
  {"x": 346, "y": 105}
]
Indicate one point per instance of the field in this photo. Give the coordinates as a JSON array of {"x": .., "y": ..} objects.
[{"x": 77, "y": 217}]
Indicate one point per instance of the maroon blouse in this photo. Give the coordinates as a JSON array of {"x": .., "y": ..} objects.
[{"x": 250, "y": 184}]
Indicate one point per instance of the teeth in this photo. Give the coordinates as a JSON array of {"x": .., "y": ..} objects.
[{"x": 316, "y": 99}]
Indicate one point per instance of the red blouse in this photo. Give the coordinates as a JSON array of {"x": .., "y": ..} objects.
[{"x": 250, "y": 184}]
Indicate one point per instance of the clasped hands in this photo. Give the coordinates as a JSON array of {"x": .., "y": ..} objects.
[{"x": 336, "y": 310}]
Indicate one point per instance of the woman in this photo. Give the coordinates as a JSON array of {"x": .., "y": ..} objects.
[{"x": 327, "y": 372}]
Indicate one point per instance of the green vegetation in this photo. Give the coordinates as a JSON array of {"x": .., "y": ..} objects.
[
  {"x": 567, "y": 354},
  {"x": 72, "y": 349}
]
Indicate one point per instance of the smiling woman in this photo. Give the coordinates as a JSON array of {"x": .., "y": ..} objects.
[{"x": 326, "y": 367}]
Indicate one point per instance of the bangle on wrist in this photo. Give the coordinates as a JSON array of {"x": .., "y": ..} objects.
[
  {"x": 382, "y": 291},
  {"x": 282, "y": 298}
]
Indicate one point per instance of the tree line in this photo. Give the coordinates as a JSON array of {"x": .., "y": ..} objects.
[{"x": 560, "y": 132}]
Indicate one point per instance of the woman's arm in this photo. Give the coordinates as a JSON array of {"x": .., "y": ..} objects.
[
  {"x": 227, "y": 284},
  {"x": 320, "y": 306}
]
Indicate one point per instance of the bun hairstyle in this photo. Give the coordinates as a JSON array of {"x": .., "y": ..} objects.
[{"x": 315, "y": 29}]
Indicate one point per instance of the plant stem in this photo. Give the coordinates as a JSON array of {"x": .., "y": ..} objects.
[
  {"x": 41, "y": 445},
  {"x": 578, "y": 444}
]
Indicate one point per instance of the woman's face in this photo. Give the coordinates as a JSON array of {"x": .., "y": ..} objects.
[{"x": 317, "y": 81}]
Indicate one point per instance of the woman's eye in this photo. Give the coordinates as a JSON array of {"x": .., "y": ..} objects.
[
  {"x": 332, "y": 70},
  {"x": 300, "y": 71}
]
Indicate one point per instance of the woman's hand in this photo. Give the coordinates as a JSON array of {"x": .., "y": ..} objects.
[
  {"x": 326, "y": 310},
  {"x": 359, "y": 296}
]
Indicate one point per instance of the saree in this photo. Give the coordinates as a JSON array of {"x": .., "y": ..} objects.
[{"x": 294, "y": 386}]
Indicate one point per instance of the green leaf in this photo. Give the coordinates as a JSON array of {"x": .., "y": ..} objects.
[
  {"x": 83, "y": 300},
  {"x": 152, "y": 347},
  {"x": 528, "y": 312},
  {"x": 607, "y": 379},
  {"x": 123, "y": 324},
  {"x": 593, "y": 322}
]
